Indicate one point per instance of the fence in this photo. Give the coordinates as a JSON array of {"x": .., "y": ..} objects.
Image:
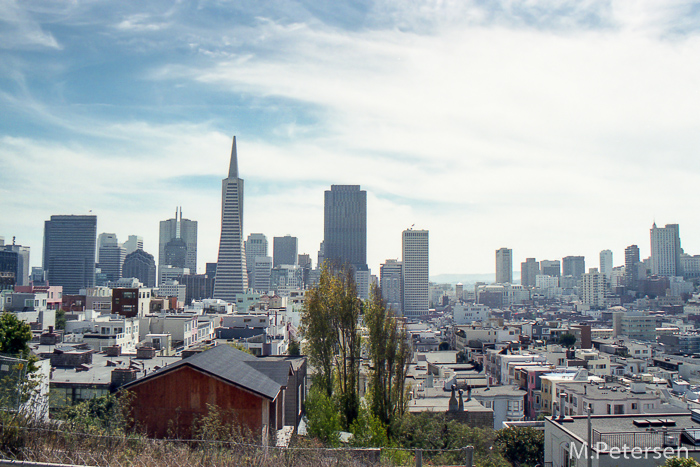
[{"x": 39, "y": 443}]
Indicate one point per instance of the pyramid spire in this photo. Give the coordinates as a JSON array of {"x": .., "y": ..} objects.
[{"x": 233, "y": 168}]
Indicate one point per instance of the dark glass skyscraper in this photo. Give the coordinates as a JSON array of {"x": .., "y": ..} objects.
[
  {"x": 69, "y": 251},
  {"x": 345, "y": 226},
  {"x": 231, "y": 277}
]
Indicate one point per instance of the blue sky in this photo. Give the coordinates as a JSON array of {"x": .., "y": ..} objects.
[{"x": 553, "y": 128}]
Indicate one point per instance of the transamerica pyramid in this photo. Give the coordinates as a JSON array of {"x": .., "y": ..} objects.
[{"x": 231, "y": 277}]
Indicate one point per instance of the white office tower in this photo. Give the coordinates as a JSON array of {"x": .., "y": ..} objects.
[
  {"x": 231, "y": 277},
  {"x": 391, "y": 281},
  {"x": 606, "y": 263},
  {"x": 504, "y": 266},
  {"x": 255, "y": 245},
  {"x": 105, "y": 239},
  {"x": 665, "y": 250},
  {"x": 593, "y": 288},
  {"x": 262, "y": 269},
  {"x": 414, "y": 245},
  {"x": 134, "y": 243}
]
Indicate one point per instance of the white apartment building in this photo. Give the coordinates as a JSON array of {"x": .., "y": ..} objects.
[
  {"x": 114, "y": 330},
  {"x": 467, "y": 313},
  {"x": 593, "y": 288}
]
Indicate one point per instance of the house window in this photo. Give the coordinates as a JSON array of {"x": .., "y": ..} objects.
[
  {"x": 619, "y": 409},
  {"x": 609, "y": 409},
  {"x": 634, "y": 406}
]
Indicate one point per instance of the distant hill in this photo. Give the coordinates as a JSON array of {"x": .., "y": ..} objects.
[{"x": 469, "y": 278}]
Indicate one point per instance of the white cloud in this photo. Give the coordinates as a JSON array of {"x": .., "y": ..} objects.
[{"x": 564, "y": 133}]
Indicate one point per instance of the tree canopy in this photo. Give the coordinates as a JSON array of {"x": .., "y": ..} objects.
[{"x": 15, "y": 335}]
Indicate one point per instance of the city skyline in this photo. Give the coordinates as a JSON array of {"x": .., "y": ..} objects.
[{"x": 488, "y": 125}]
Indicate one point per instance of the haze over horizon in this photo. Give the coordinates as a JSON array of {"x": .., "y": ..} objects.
[{"x": 551, "y": 129}]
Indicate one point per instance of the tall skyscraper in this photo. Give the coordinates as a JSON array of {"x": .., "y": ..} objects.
[
  {"x": 112, "y": 261},
  {"x": 231, "y": 277},
  {"x": 69, "y": 252},
  {"x": 134, "y": 243},
  {"x": 631, "y": 266},
  {"x": 142, "y": 266},
  {"x": 574, "y": 266},
  {"x": 255, "y": 245},
  {"x": 665, "y": 250},
  {"x": 178, "y": 242},
  {"x": 262, "y": 271},
  {"x": 105, "y": 239},
  {"x": 284, "y": 250},
  {"x": 345, "y": 226},
  {"x": 550, "y": 267},
  {"x": 606, "y": 263},
  {"x": 22, "y": 273},
  {"x": 529, "y": 270},
  {"x": 504, "y": 266},
  {"x": 391, "y": 281},
  {"x": 415, "y": 248}
]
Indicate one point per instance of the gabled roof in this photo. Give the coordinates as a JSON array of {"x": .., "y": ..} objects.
[{"x": 234, "y": 367}]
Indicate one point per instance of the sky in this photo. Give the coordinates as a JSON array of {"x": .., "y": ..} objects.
[{"x": 554, "y": 128}]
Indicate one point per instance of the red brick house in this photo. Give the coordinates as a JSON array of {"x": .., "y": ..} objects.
[{"x": 173, "y": 397}]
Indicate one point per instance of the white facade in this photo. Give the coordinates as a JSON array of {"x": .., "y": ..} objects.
[
  {"x": 114, "y": 330},
  {"x": 593, "y": 288},
  {"x": 504, "y": 266},
  {"x": 606, "y": 263},
  {"x": 467, "y": 313},
  {"x": 415, "y": 244},
  {"x": 665, "y": 250}
]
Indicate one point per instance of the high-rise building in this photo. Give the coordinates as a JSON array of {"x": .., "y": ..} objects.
[
  {"x": 550, "y": 268},
  {"x": 262, "y": 270},
  {"x": 529, "y": 270},
  {"x": 631, "y": 266},
  {"x": 69, "y": 252},
  {"x": 391, "y": 280},
  {"x": 105, "y": 239},
  {"x": 255, "y": 245},
  {"x": 573, "y": 266},
  {"x": 112, "y": 261},
  {"x": 178, "y": 242},
  {"x": 665, "y": 250},
  {"x": 345, "y": 226},
  {"x": 504, "y": 266},
  {"x": 284, "y": 250},
  {"x": 22, "y": 272},
  {"x": 231, "y": 277},
  {"x": 415, "y": 249},
  {"x": 606, "y": 263},
  {"x": 304, "y": 262},
  {"x": 134, "y": 243},
  {"x": 8, "y": 270},
  {"x": 142, "y": 266},
  {"x": 593, "y": 288}
]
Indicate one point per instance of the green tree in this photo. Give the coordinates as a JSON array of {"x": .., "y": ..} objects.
[
  {"x": 330, "y": 327},
  {"x": 522, "y": 446},
  {"x": 368, "y": 430},
  {"x": 388, "y": 353},
  {"x": 433, "y": 431},
  {"x": 567, "y": 340},
  {"x": 681, "y": 462},
  {"x": 294, "y": 348},
  {"x": 348, "y": 359},
  {"x": 60, "y": 319},
  {"x": 323, "y": 416},
  {"x": 317, "y": 326},
  {"x": 15, "y": 335}
]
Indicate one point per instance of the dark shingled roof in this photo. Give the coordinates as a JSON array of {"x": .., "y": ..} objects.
[{"x": 235, "y": 367}]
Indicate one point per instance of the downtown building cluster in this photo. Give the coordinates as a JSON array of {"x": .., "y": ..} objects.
[{"x": 618, "y": 342}]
